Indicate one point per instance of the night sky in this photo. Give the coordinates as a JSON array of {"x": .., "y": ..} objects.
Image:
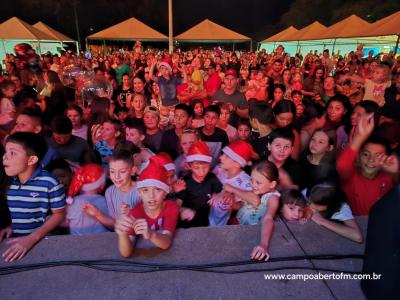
[{"x": 254, "y": 18}]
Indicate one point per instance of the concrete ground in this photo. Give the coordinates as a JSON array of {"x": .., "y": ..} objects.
[{"x": 191, "y": 246}]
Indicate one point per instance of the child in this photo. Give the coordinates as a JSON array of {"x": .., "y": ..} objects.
[
  {"x": 293, "y": 205},
  {"x": 187, "y": 139},
  {"x": 296, "y": 82},
  {"x": 281, "y": 147},
  {"x": 7, "y": 107},
  {"x": 319, "y": 162},
  {"x": 110, "y": 136},
  {"x": 24, "y": 151},
  {"x": 235, "y": 157},
  {"x": 263, "y": 200},
  {"x": 62, "y": 170},
  {"x": 153, "y": 135},
  {"x": 199, "y": 186},
  {"x": 123, "y": 191},
  {"x": 374, "y": 175},
  {"x": 215, "y": 137},
  {"x": 154, "y": 218},
  {"x": 223, "y": 122},
  {"x": 121, "y": 113},
  {"x": 75, "y": 114},
  {"x": 331, "y": 212},
  {"x": 88, "y": 181},
  {"x": 376, "y": 86},
  {"x": 244, "y": 130},
  {"x": 198, "y": 111},
  {"x": 135, "y": 133},
  {"x": 261, "y": 120}
]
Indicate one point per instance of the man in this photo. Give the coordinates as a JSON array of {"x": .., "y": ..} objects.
[
  {"x": 213, "y": 82},
  {"x": 230, "y": 94},
  {"x": 121, "y": 69},
  {"x": 276, "y": 72}
]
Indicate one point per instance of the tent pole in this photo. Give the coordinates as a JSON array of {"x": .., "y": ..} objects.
[
  {"x": 251, "y": 45},
  {"x": 40, "y": 50},
  {"x": 233, "y": 46},
  {"x": 397, "y": 44},
  {"x": 334, "y": 44},
  {"x": 297, "y": 48}
]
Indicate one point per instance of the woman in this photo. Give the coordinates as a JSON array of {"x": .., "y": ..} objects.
[{"x": 313, "y": 86}]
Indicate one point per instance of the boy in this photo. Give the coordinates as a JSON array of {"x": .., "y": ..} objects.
[
  {"x": 199, "y": 186},
  {"x": 170, "y": 138},
  {"x": 215, "y": 137},
  {"x": 235, "y": 157},
  {"x": 110, "y": 135},
  {"x": 153, "y": 136},
  {"x": 69, "y": 147},
  {"x": 366, "y": 184},
  {"x": 280, "y": 147},
  {"x": 154, "y": 218},
  {"x": 261, "y": 120},
  {"x": 135, "y": 132},
  {"x": 89, "y": 181},
  {"x": 30, "y": 120},
  {"x": 244, "y": 130},
  {"x": 33, "y": 193}
]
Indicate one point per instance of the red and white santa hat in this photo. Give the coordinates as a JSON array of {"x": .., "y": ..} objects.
[
  {"x": 239, "y": 151},
  {"x": 87, "y": 178},
  {"x": 165, "y": 160},
  {"x": 199, "y": 151},
  {"x": 154, "y": 175},
  {"x": 166, "y": 62}
]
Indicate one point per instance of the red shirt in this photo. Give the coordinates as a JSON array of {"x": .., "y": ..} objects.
[
  {"x": 166, "y": 220},
  {"x": 213, "y": 84},
  {"x": 362, "y": 193}
]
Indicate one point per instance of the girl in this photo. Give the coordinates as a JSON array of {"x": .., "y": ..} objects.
[
  {"x": 313, "y": 85},
  {"x": 279, "y": 91},
  {"x": 296, "y": 82},
  {"x": 285, "y": 112},
  {"x": 292, "y": 205},
  {"x": 345, "y": 132},
  {"x": 110, "y": 134},
  {"x": 198, "y": 110},
  {"x": 125, "y": 91},
  {"x": 319, "y": 163},
  {"x": 331, "y": 211},
  {"x": 338, "y": 111},
  {"x": 137, "y": 106},
  {"x": 75, "y": 114},
  {"x": 261, "y": 203},
  {"x": 287, "y": 79}
]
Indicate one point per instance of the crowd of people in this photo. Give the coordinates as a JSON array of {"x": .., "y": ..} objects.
[{"x": 196, "y": 138}]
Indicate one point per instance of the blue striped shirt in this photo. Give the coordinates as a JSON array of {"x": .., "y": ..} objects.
[{"x": 31, "y": 202}]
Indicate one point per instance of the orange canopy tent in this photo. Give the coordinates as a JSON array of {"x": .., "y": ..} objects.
[
  {"x": 129, "y": 30},
  {"x": 210, "y": 32}
]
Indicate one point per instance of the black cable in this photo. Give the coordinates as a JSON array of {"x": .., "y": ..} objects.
[
  {"x": 311, "y": 262},
  {"x": 110, "y": 264}
]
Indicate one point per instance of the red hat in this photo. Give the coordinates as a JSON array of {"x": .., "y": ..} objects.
[
  {"x": 231, "y": 72},
  {"x": 239, "y": 151},
  {"x": 87, "y": 178},
  {"x": 166, "y": 62},
  {"x": 163, "y": 159},
  {"x": 153, "y": 175},
  {"x": 199, "y": 152}
]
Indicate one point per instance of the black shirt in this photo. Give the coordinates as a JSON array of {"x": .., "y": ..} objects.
[
  {"x": 195, "y": 197},
  {"x": 260, "y": 145},
  {"x": 170, "y": 143}
]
